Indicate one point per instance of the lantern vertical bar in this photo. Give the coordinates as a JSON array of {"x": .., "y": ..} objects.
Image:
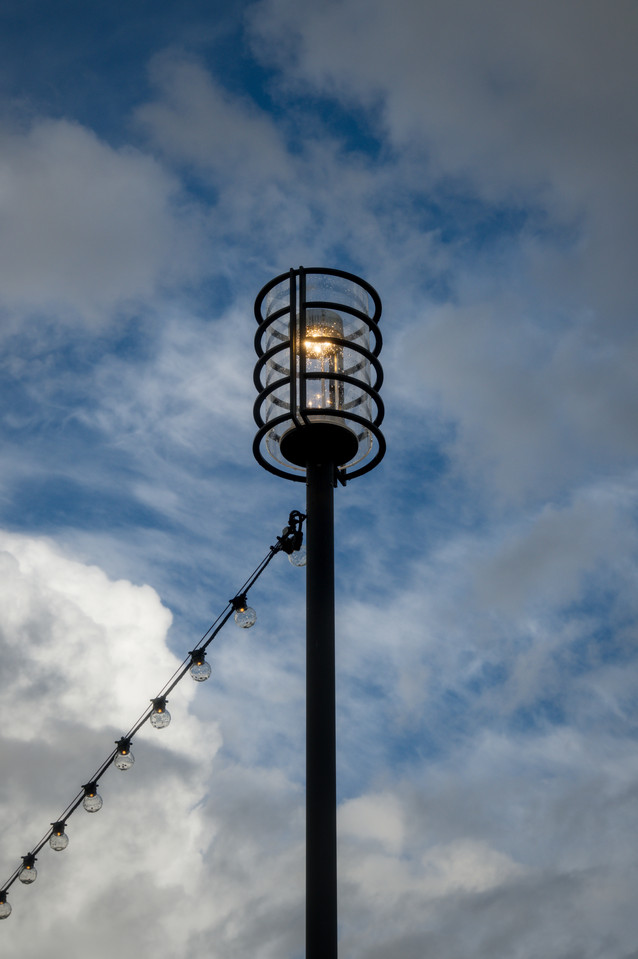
[
  {"x": 303, "y": 402},
  {"x": 294, "y": 350}
]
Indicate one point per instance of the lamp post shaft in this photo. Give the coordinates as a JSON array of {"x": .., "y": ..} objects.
[
  {"x": 321, "y": 776},
  {"x": 318, "y": 378}
]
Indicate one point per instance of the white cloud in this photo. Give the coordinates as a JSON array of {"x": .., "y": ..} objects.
[
  {"x": 537, "y": 407},
  {"x": 81, "y": 654},
  {"x": 527, "y": 106},
  {"x": 194, "y": 393},
  {"x": 68, "y": 628},
  {"x": 497, "y": 819},
  {"x": 84, "y": 227},
  {"x": 546, "y": 563},
  {"x": 377, "y": 818},
  {"x": 195, "y": 121},
  {"x": 516, "y": 91},
  {"x": 502, "y": 839},
  {"x": 283, "y": 190}
]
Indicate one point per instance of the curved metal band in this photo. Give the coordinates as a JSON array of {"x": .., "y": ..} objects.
[
  {"x": 311, "y": 410},
  {"x": 301, "y": 476},
  {"x": 320, "y": 271},
  {"x": 266, "y": 321},
  {"x": 352, "y": 311},
  {"x": 336, "y": 341}
]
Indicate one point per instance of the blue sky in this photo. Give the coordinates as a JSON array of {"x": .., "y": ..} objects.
[{"x": 159, "y": 163}]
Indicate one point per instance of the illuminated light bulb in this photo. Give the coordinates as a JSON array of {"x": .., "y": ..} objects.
[
  {"x": 200, "y": 670},
  {"x": 28, "y": 873},
  {"x": 124, "y": 758},
  {"x": 160, "y": 717},
  {"x": 322, "y": 356},
  {"x": 298, "y": 557},
  {"x": 245, "y": 615},
  {"x": 92, "y": 801},
  {"x": 5, "y": 907},
  {"x": 59, "y": 839},
  {"x": 318, "y": 348}
]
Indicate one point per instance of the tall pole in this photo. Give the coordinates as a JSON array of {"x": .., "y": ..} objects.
[
  {"x": 318, "y": 415},
  {"x": 321, "y": 775}
]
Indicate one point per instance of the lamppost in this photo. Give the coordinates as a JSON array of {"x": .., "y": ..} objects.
[{"x": 318, "y": 415}]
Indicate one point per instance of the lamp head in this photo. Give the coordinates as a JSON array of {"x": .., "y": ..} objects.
[{"x": 318, "y": 374}]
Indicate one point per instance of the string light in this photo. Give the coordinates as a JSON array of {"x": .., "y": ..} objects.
[
  {"x": 5, "y": 907},
  {"x": 245, "y": 615},
  {"x": 159, "y": 717},
  {"x": 28, "y": 873},
  {"x": 298, "y": 557},
  {"x": 92, "y": 801},
  {"x": 124, "y": 758},
  {"x": 59, "y": 839},
  {"x": 200, "y": 670}
]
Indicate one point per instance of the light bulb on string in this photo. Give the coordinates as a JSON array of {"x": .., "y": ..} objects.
[
  {"x": 59, "y": 839},
  {"x": 5, "y": 907},
  {"x": 200, "y": 670},
  {"x": 298, "y": 557},
  {"x": 92, "y": 801},
  {"x": 160, "y": 717},
  {"x": 245, "y": 615},
  {"x": 28, "y": 873},
  {"x": 124, "y": 758}
]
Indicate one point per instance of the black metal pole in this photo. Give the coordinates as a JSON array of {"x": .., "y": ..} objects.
[{"x": 321, "y": 774}]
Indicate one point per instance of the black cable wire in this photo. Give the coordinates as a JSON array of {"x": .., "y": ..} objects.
[{"x": 289, "y": 541}]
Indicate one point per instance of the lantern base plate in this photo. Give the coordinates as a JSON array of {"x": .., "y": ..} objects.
[{"x": 319, "y": 443}]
